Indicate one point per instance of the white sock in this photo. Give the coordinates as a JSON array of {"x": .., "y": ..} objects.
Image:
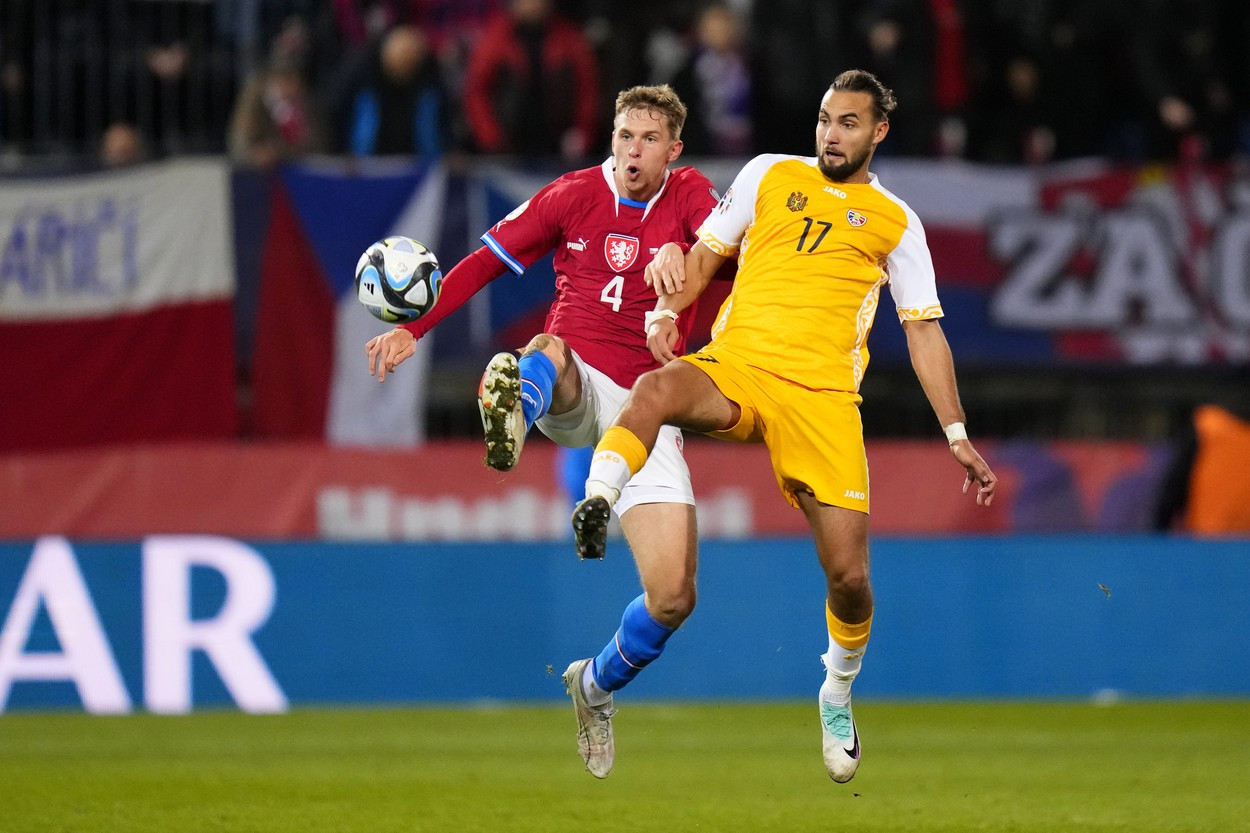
[
  {"x": 595, "y": 696},
  {"x": 841, "y": 667},
  {"x": 607, "y": 476}
]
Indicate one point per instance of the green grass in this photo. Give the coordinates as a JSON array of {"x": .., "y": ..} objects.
[{"x": 1182, "y": 766}]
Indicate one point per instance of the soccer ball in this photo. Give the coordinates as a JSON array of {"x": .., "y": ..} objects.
[{"x": 398, "y": 279}]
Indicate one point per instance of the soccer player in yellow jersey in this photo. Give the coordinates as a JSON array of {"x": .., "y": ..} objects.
[{"x": 816, "y": 239}]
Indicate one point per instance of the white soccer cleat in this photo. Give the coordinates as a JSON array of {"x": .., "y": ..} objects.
[
  {"x": 594, "y": 724},
  {"x": 503, "y": 420},
  {"x": 840, "y": 740}
]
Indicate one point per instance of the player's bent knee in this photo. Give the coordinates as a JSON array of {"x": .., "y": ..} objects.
[
  {"x": 555, "y": 348},
  {"x": 849, "y": 584},
  {"x": 671, "y": 608},
  {"x": 655, "y": 392}
]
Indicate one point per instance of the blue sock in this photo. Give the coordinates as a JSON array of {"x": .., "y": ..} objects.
[
  {"x": 538, "y": 377},
  {"x": 573, "y": 466},
  {"x": 638, "y": 641}
]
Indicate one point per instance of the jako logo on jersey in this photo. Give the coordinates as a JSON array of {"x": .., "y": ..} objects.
[
  {"x": 855, "y": 218},
  {"x": 797, "y": 201},
  {"x": 579, "y": 246},
  {"x": 621, "y": 251},
  {"x": 837, "y": 192},
  {"x": 851, "y": 493}
]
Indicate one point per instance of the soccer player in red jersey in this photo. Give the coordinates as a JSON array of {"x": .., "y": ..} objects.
[{"x": 605, "y": 224}]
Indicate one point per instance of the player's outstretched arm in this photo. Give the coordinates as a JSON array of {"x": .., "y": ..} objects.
[
  {"x": 931, "y": 359},
  {"x": 460, "y": 284},
  {"x": 700, "y": 265},
  {"x": 388, "y": 350}
]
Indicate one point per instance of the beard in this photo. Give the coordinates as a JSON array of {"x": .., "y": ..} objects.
[{"x": 840, "y": 172}]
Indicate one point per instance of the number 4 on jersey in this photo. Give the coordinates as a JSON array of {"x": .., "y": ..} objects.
[{"x": 612, "y": 290}]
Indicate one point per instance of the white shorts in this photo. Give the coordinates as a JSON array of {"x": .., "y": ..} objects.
[{"x": 663, "y": 479}]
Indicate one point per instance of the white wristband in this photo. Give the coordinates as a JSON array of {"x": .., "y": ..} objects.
[
  {"x": 955, "y": 432},
  {"x": 652, "y": 316}
]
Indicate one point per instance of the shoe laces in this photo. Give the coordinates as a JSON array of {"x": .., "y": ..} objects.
[
  {"x": 601, "y": 728},
  {"x": 837, "y": 720}
]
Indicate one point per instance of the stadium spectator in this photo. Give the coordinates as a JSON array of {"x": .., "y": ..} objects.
[
  {"x": 716, "y": 81},
  {"x": 951, "y": 90},
  {"x": 1017, "y": 128},
  {"x": 785, "y": 364},
  {"x": 1180, "y": 75},
  {"x": 454, "y": 28},
  {"x": 361, "y": 22},
  {"x": 183, "y": 86},
  {"x": 14, "y": 76},
  {"x": 601, "y": 222},
  {"x": 122, "y": 145},
  {"x": 895, "y": 43},
  {"x": 275, "y": 116},
  {"x": 532, "y": 85},
  {"x": 393, "y": 101}
]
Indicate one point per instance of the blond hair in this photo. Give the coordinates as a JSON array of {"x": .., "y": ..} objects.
[{"x": 661, "y": 99}]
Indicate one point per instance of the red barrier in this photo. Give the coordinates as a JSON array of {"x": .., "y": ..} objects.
[{"x": 442, "y": 491}]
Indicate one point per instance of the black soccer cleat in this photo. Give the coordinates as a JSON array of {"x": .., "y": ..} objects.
[{"x": 590, "y": 527}]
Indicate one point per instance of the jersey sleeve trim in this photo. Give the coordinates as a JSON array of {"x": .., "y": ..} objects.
[
  {"x": 501, "y": 253},
  {"x": 920, "y": 313},
  {"x": 721, "y": 248}
]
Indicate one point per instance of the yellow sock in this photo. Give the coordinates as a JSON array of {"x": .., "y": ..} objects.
[
  {"x": 623, "y": 443},
  {"x": 850, "y": 637}
]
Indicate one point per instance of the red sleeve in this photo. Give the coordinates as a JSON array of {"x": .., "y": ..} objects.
[{"x": 459, "y": 285}]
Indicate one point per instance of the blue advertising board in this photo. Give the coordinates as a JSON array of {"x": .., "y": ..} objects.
[{"x": 175, "y": 623}]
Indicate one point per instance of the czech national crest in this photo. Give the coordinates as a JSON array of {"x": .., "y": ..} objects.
[
  {"x": 621, "y": 251},
  {"x": 797, "y": 201}
]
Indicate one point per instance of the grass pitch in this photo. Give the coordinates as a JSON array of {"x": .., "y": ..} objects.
[{"x": 1175, "y": 766}]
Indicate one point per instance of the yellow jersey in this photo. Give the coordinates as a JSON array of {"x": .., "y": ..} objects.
[{"x": 813, "y": 255}]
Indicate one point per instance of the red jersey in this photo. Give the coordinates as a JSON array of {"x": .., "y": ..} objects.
[{"x": 602, "y": 243}]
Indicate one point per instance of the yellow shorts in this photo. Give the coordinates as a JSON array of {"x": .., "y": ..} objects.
[{"x": 815, "y": 438}]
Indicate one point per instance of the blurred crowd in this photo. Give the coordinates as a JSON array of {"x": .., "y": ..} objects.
[{"x": 1002, "y": 81}]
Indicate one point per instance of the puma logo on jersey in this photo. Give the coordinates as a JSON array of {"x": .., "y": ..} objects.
[
  {"x": 837, "y": 192},
  {"x": 579, "y": 246},
  {"x": 851, "y": 493}
]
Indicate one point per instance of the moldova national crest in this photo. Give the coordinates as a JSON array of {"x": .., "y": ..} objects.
[
  {"x": 797, "y": 201},
  {"x": 621, "y": 251},
  {"x": 855, "y": 218}
]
